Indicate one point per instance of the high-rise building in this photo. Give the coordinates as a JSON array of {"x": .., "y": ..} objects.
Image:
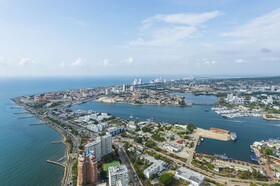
[
  {"x": 81, "y": 170},
  {"x": 95, "y": 146},
  {"x": 118, "y": 176},
  {"x": 87, "y": 169},
  {"x": 91, "y": 167},
  {"x": 101, "y": 146},
  {"x": 124, "y": 88},
  {"x": 106, "y": 144}
]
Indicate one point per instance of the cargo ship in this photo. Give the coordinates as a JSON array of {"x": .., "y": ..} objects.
[{"x": 233, "y": 136}]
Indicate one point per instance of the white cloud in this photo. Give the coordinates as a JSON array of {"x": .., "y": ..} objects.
[
  {"x": 183, "y": 18},
  {"x": 129, "y": 60},
  {"x": 26, "y": 62},
  {"x": 3, "y": 61},
  {"x": 106, "y": 62},
  {"x": 163, "y": 30},
  {"x": 78, "y": 62},
  {"x": 77, "y": 21},
  {"x": 206, "y": 61},
  {"x": 239, "y": 61},
  {"x": 62, "y": 65},
  {"x": 263, "y": 27},
  {"x": 271, "y": 59}
]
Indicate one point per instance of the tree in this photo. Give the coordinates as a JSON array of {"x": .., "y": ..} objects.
[
  {"x": 166, "y": 178},
  {"x": 268, "y": 151},
  {"x": 190, "y": 128},
  {"x": 103, "y": 175}
]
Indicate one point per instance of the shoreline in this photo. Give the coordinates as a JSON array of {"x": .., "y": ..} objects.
[
  {"x": 270, "y": 119},
  {"x": 56, "y": 129}
]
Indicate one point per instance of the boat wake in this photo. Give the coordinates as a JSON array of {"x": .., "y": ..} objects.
[{"x": 238, "y": 121}]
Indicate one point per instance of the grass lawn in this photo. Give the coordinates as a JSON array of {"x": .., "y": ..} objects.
[{"x": 107, "y": 165}]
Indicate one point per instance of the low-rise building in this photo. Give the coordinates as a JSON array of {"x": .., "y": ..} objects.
[
  {"x": 115, "y": 130},
  {"x": 156, "y": 167},
  {"x": 172, "y": 147},
  {"x": 194, "y": 178}
]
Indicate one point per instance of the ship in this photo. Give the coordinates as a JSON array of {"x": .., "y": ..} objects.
[{"x": 233, "y": 136}]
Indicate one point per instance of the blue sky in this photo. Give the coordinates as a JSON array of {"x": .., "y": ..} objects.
[{"x": 132, "y": 37}]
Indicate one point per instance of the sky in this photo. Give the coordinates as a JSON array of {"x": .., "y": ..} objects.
[{"x": 133, "y": 37}]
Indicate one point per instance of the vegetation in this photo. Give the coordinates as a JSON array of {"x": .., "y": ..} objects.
[
  {"x": 146, "y": 129},
  {"x": 111, "y": 157},
  {"x": 190, "y": 128},
  {"x": 267, "y": 151},
  {"x": 157, "y": 136},
  {"x": 69, "y": 141},
  {"x": 166, "y": 178},
  {"x": 75, "y": 172},
  {"x": 150, "y": 144},
  {"x": 111, "y": 164},
  {"x": 251, "y": 175}
]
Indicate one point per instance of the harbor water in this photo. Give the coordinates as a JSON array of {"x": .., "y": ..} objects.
[{"x": 248, "y": 129}]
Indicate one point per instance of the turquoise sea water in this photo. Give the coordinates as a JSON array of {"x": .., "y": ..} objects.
[{"x": 24, "y": 149}]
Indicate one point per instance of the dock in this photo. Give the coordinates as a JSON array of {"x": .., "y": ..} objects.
[
  {"x": 26, "y": 117},
  {"x": 56, "y": 142},
  {"x": 16, "y": 107},
  {"x": 56, "y": 163},
  {"x": 35, "y": 124},
  {"x": 21, "y": 113},
  {"x": 199, "y": 132}
]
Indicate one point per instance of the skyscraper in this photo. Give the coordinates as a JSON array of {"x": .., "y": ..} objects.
[
  {"x": 118, "y": 176},
  {"x": 87, "y": 169},
  {"x": 101, "y": 146}
]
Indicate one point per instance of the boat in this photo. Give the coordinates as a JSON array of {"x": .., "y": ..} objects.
[
  {"x": 251, "y": 147},
  {"x": 233, "y": 136},
  {"x": 131, "y": 117},
  {"x": 222, "y": 156},
  {"x": 254, "y": 158},
  {"x": 206, "y": 110},
  {"x": 201, "y": 139}
]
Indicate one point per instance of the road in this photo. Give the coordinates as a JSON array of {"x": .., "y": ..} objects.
[{"x": 133, "y": 177}]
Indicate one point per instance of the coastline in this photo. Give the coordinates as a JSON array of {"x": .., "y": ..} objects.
[
  {"x": 55, "y": 128},
  {"x": 270, "y": 119}
]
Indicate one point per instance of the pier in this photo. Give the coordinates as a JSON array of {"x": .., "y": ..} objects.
[
  {"x": 26, "y": 117},
  {"x": 35, "y": 124},
  {"x": 16, "y": 107},
  {"x": 56, "y": 163},
  {"x": 201, "y": 103},
  {"x": 21, "y": 113},
  {"x": 56, "y": 142}
]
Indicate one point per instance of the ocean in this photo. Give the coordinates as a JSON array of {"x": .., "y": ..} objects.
[{"x": 24, "y": 149}]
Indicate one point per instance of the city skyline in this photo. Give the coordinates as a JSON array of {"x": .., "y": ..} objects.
[{"x": 74, "y": 38}]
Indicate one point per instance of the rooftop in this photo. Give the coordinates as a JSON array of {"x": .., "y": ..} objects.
[{"x": 190, "y": 175}]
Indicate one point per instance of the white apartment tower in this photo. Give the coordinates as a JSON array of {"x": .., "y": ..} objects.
[
  {"x": 101, "y": 146},
  {"x": 123, "y": 88},
  {"x": 118, "y": 176}
]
